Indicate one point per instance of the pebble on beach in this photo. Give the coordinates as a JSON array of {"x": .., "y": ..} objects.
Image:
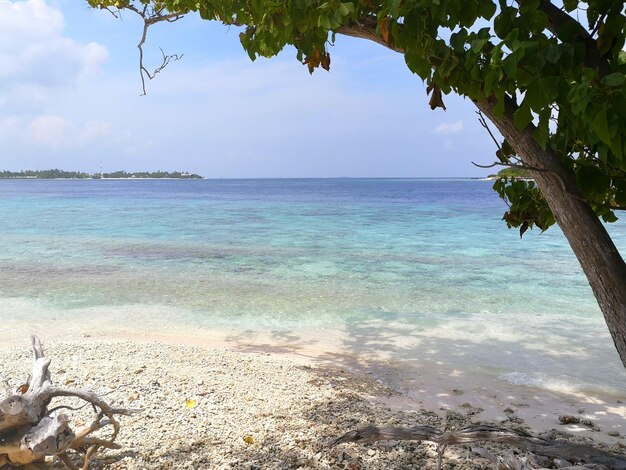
[{"x": 219, "y": 409}]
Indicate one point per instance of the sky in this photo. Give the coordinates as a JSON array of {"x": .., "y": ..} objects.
[{"x": 70, "y": 98}]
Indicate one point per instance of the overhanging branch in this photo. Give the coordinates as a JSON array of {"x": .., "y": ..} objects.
[
  {"x": 365, "y": 28},
  {"x": 151, "y": 16}
]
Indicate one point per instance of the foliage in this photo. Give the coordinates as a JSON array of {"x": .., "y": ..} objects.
[
  {"x": 526, "y": 206},
  {"x": 54, "y": 174},
  {"x": 44, "y": 174},
  {"x": 514, "y": 172},
  {"x": 562, "y": 68},
  {"x": 153, "y": 174}
]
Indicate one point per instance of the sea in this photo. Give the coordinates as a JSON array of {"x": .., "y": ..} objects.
[{"x": 414, "y": 271}]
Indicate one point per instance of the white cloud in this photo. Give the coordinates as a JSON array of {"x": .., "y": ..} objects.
[
  {"x": 34, "y": 51},
  {"x": 50, "y": 130},
  {"x": 57, "y": 131},
  {"x": 9, "y": 126},
  {"x": 448, "y": 128},
  {"x": 94, "y": 130}
]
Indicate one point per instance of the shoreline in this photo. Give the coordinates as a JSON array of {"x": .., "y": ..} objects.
[
  {"x": 210, "y": 407},
  {"x": 437, "y": 386},
  {"x": 417, "y": 386},
  {"x": 89, "y": 179}
]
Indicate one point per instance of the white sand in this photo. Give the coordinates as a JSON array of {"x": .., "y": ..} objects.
[{"x": 290, "y": 401}]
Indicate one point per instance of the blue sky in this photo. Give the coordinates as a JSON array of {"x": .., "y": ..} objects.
[{"x": 70, "y": 98}]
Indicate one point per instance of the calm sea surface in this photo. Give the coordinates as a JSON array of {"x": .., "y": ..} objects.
[{"x": 425, "y": 258}]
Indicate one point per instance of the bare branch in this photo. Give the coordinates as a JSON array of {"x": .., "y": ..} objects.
[
  {"x": 483, "y": 122},
  {"x": 150, "y": 16},
  {"x": 488, "y": 166},
  {"x": 30, "y": 432},
  {"x": 540, "y": 170},
  {"x": 529, "y": 168},
  {"x": 513, "y": 165},
  {"x": 486, "y": 433},
  {"x": 66, "y": 460},
  {"x": 165, "y": 63},
  {"x": 94, "y": 399}
]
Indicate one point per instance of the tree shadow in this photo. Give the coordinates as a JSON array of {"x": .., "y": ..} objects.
[{"x": 499, "y": 379}]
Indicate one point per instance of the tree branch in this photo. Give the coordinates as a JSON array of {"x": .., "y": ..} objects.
[
  {"x": 483, "y": 122},
  {"x": 29, "y": 432},
  {"x": 151, "y": 17},
  {"x": 486, "y": 433},
  {"x": 365, "y": 28},
  {"x": 557, "y": 19}
]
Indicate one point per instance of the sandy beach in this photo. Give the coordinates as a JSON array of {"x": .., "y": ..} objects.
[{"x": 209, "y": 406}]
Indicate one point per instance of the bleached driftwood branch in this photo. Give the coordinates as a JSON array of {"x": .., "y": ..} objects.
[
  {"x": 29, "y": 431},
  {"x": 570, "y": 451}
]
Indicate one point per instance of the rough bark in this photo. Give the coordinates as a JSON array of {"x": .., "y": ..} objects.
[
  {"x": 567, "y": 451},
  {"x": 602, "y": 263},
  {"x": 29, "y": 431}
]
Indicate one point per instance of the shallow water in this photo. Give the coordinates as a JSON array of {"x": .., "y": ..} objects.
[{"x": 417, "y": 270}]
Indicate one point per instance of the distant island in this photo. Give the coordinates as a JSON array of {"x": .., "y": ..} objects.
[
  {"x": 62, "y": 174},
  {"x": 519, "y": 173}
]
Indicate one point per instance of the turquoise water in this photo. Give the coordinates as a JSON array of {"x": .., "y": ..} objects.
[{"x": 430, "y": 257}]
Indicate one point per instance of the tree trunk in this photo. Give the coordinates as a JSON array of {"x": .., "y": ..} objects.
[{"x": 604, "y": 267}]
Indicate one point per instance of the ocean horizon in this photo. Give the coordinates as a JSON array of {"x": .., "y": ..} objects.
[{"x": 420, "y": 269}]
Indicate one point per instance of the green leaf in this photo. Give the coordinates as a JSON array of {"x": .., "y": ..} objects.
[
  {"x": 469, "y": 13},
  {"x": 542, "y": 132},
  {"x": 570, "y": 5},
  {"x": 593, "y": 182},
  {"x": 537, "y": 20},
  {"x": 477, "y": 44},
  {"x": 487, "y": 9},
  {"x": 448, "y": 65},
  {"x": 498, "y": 109},
  {"x": 394, "y": 8},
  {"x": 458, "y": 39},
  {"x": 418, "y": 64},
  {"x": 510, "y": 64},
  {"x": 503, "y": 24},
  {"x": 616, "y": 147},
  {"x": 542, "y": 92},
  {"x": 553, "y": 53},
  {"x": 614, "y": 79},
  {"x": 611, "y": 35},
  {"x": 529, "y": 6},
  {"x": 492, "y": 77},
  {"x": 522, "y": 117},
  {"x": 601, "y": 127},
  {"x": 620, "y": 193},
  {"x": 609, "y": 217}
]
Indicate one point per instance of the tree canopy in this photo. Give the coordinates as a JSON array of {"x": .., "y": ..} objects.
[{"x": 550, "y": 77}]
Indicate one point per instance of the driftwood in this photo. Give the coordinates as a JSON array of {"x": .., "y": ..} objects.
[
  {"x": 30, "y": 432},
  {"x": 556, "y": 449}
]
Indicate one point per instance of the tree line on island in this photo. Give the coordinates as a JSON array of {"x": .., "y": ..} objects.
[
  {"x": 62, "y": 174},
  {"x": 520, "y": 173}
]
